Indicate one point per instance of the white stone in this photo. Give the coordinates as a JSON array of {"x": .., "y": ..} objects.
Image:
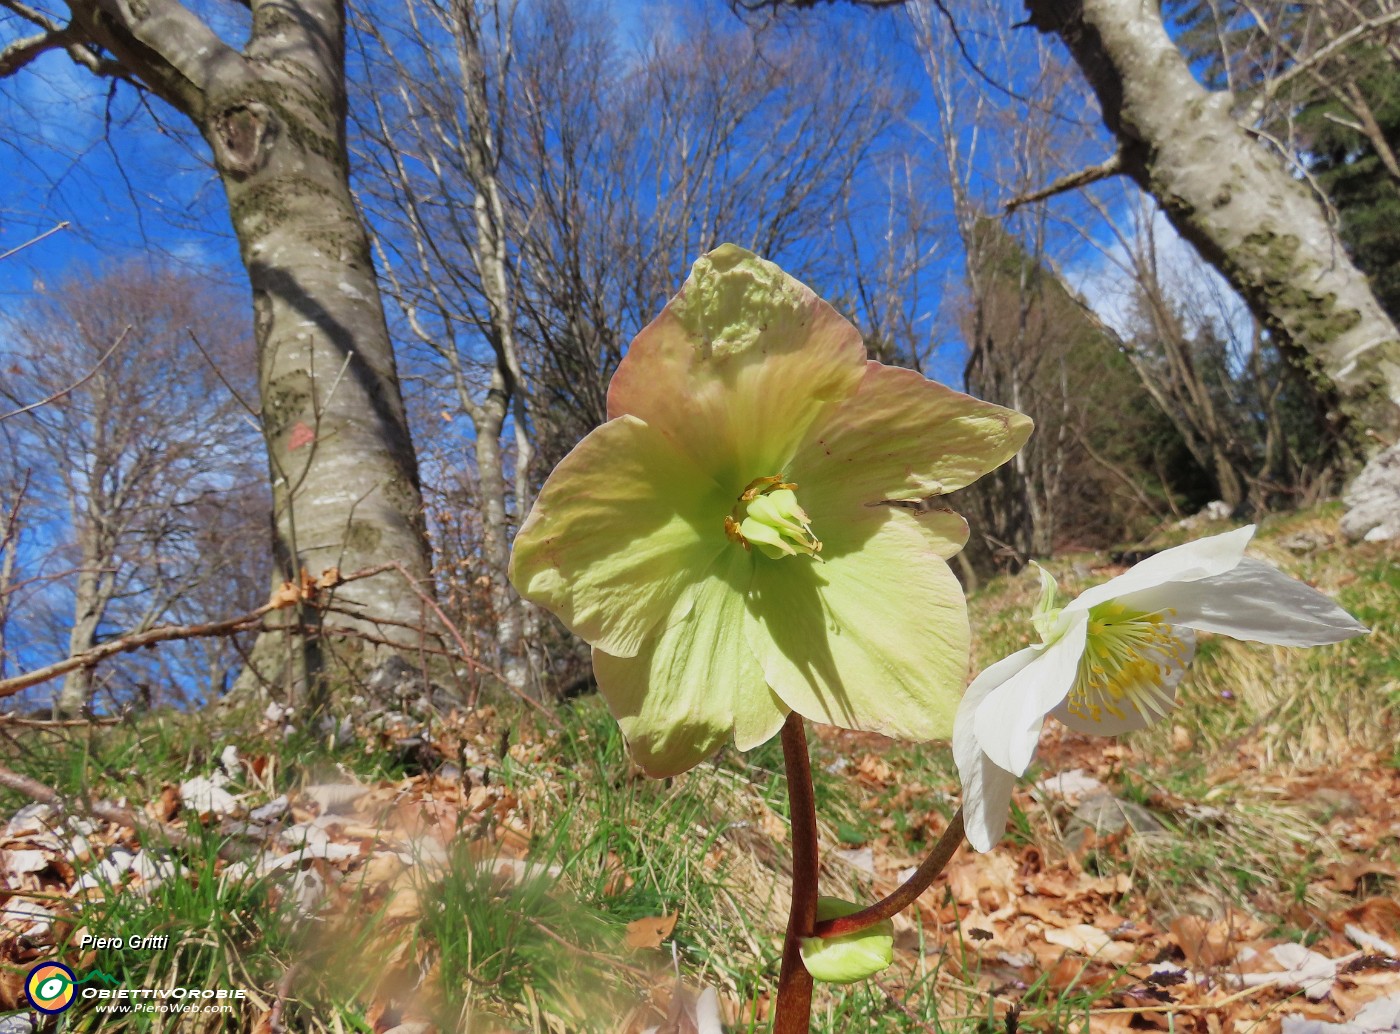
[{"x": 1372, "y": 501}]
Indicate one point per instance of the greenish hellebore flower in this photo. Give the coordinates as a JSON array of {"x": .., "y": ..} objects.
[
  {"x": 1110, "y": 660},
  {"x": 852, "y": 956},
  {"x": 723, "y": 541}
]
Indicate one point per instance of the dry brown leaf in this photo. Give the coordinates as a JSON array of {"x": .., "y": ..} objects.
[
  {"x": 286, "y": 595},
  {"x": 12, "y": 996},
  {"x": 1204, "y": 943},
  {"x": 986, "y": 880},
  {"x": 650, "y": 931},
  {"x": 1345, "y": 876},
  {"x": 773, "y": 825},
  {"x": 618, "y": 878},
  {"x": 403, "y": 900},
  {"x": 167, "y": 805},
  {"x": 1091, "y": 941}
]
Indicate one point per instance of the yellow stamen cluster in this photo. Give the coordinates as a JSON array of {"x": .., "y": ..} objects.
[{"x": 1128, "y": 658}]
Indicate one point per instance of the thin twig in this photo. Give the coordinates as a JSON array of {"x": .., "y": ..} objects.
[
  {"x": 284, "y": 988},
  {"x": 907, "y": 892},
  {"x": 793, "y": 1013},
  {"x": 466, "y": 650},
  {"x": 35, "y": 240},
  {"x": 1110, "y": 166},
  {"x": 76, "y": 384},
  {"x": 106, "y": 811},
  {"x": 254, "y": 413},
  {"x": 56, "y": 723}
]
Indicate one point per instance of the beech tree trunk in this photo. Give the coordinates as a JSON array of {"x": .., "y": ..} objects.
[
  {"x": 345, "y": 479},
  {"x": 90, "y": 598},
  {"x": 1233, "y": 200},
  {"x": 344, "y": 475}
]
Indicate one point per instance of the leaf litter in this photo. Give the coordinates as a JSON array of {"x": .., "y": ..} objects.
[{"x": 1039, "y": 932}]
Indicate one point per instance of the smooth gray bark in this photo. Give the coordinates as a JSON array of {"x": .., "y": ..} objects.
[
  {"x": 1236, "y": 202},
  {"x": 346, "y": 492}
]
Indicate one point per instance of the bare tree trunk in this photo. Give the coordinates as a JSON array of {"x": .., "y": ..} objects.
[
  {"x": 346, "y": 490},
  {"x": 344, "y": 476},
  {"x": 1233, "y": 200},
  {"x": 90, "y": 598}
]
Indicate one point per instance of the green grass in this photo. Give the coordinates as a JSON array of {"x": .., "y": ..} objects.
[
  {"x": 222, "y": 932},
  {"x": 546, "y": 952}
]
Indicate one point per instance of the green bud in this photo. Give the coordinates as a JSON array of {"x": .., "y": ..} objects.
[
  {"x": 852, "y": 956},
  {"x": 778, "y": 526},
  {"x": 1046, "y": 613}
]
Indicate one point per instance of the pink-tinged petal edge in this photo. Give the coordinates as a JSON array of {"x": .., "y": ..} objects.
[
  {"x": 738, "y": 366},
  {"x": 902, "y": 436}
]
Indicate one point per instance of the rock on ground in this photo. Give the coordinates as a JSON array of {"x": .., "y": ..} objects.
[{"x": 1373, "y": 500}]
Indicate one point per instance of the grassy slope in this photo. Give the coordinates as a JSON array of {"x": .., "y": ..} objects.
[{"x": 473, "y": 952}]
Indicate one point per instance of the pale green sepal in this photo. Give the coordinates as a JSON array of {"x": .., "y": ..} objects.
[
  {"x": 1046, "y": 613},
  {"x": 695, "y": 682},
  {"x": 738, "y": 366},
  {"x": 620, "y": 530},
  {"x": 874, "y": 639},
  {"x": 901, "y": 436},
  {"x": 851, "y": 957}
]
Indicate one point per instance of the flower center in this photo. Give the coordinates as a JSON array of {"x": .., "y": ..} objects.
[
  {"x": 768, "y": 516},
  {"x": 1129, "y": 658}
]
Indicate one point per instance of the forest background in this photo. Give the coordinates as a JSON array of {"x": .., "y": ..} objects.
[
  {"x": 535, "y": 180},
  {"x": 303, "y": 301}
]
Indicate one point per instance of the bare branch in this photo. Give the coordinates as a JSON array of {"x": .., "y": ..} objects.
[
  {"x": 462, "y": 645},
  {"x": 164, "y": 44},
  {"x": 166, "y": 633},
  {"x": 35, "y": 240},
  {"x": 1111, "y": 166},
  {"x": 76, "y": 384},
  {"x": 107, "y": 812},
  {"x": 1323, "y": 54}
]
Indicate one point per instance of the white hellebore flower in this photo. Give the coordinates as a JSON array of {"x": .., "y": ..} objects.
[{"x": 1109, "y": 662}]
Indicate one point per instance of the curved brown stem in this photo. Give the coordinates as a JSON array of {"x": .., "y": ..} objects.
[
  {"x": 794, "y": 1006},
  {"x": 907, "y": 892}
]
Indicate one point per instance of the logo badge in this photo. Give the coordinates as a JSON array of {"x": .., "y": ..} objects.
[{"x": 50, "y": 987}]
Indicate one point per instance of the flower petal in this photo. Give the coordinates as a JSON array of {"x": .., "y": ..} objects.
[
  {"x": 1007, "y": 723},
  {"x": 1190, "y": 562},
  {"x": 696, "y": 682},
  {"x": 986, "y": 789},
  {"x": 902, "y": 436},
  {"x": 1101, "y": 722},
  {"x": 1257, "y": 602},
  {"x": 619, "y": 530},
  {"x": 738, "y": 366},
  {"x": 875, "y": 638}
]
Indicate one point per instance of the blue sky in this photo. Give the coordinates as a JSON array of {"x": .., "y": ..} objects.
[{"x": 72, "y": 149}]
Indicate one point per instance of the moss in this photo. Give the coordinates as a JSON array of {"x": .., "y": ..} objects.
[
  {"x": 363, "y": 537},
  {"x": 287, "y": 398},
  {"x": 265, "y": 200}
]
